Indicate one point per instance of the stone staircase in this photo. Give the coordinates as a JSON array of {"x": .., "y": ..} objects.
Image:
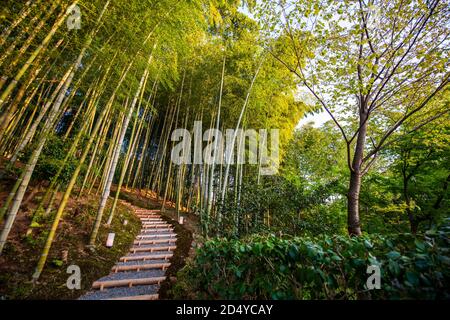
[{"x": 138, "y": 275}]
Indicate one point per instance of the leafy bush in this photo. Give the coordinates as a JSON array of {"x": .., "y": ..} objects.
[
  {"x": 52, "y": 159},
  {"x": 278, "y": 205},
  {"x": 319, "y": 268}
]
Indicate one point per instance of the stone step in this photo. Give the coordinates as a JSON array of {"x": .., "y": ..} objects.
[
  {"x": 121, "y": 279},
  {"x": 156, "y": 226},
  {"x": 146, "y": 257},
  {"x": 129, "y": 263},
  {"x": 154, "y": 222},
  {"x": 148, "y": 216},
  {"x": 127, "y": 282},
  {"x": 142, "y": 297},
  {"x": 138, "y": 292},
  {"x": 156, "y": 236},
  {"x": 152, "y": 248},
  {"x": 150, "y": 230},
  {"x": 140, "y": 266},
  {"x": 154, "y": 241}
]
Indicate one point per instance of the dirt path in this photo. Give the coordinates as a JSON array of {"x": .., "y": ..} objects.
[{"x": 138, "y": 275}]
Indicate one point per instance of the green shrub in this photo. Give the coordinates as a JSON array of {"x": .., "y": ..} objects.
[
  {"x": 267, "y": 267},
  {"x": 277, "y": 205},
  {"x": 52, "y": 159}
]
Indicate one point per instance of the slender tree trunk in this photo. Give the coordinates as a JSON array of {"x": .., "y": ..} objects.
[
  {"x": 26, "y": 176},
  {"x": 22, "y": 184},
  {"x": 147, "y": 160},
  {"x": 168, "y": 137},
  {"x": 36, "y": 30},
  {"x": 14, "y": 124},
  {"x": 36, "y": 214},
  {"x": 123, "y": 171},
  {"x": 161, "y": 152},
  {"x": 216, "y": 151},
  {"x": 58, "y": 94},
  {"x": 353, "y": 221},
  {"x": 22, "y": 15},
  {"x": 88, "y": 178},
  {"x": 136, "y": 144},
  {"x": 412, "y": 221},
  {"x": 71, "y": 184},
  {"x": 7, "y": 116},
  {"x": 90, "y": 113},
  {"x": 19, "y": 37},
  {"x": 70, "y": 75},
  {"x": 228, "y": 162},
  {"x": 116, "y": 155},
  {"x": 8, "y": 91}
]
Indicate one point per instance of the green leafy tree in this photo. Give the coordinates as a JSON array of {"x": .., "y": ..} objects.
[{"x": 371, "y": 65}]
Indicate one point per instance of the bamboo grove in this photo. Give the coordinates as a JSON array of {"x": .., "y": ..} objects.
[
  {"x": 88, "y": 108},
  {"x": 93, "y": 95}
]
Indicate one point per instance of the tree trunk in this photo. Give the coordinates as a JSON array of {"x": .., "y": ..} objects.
[
  {"x": 22, "y": 15},
  {"x": 123, "y": 171},
  {"x": 22, "y": 184},
  {"x": 58, "y": 94},
  {"x": 178, "y": 107},
  {"x": 353, "y": 222},
  {"x": 51, "y": 235},
  {"x": 228, "y": 162},
  {"x": 211, "y": 182},
  {"x": 35, "y": 31},
  {"x": 116, "y": 154},
  {"x": 9, "y": 89},
  {"x": 412, "y": 221},
  {"x": 65, "y": 198}
]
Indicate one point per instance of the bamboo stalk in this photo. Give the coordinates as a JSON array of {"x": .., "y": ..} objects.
[
  {"x": 8, "y": 91},
  {"x": 115, "y": 158}
]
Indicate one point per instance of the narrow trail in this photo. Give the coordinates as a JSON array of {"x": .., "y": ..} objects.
[{"x": 138, "y": 275}]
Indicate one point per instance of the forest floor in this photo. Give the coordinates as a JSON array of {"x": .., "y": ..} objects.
[{"x": 22, "y": 251}]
